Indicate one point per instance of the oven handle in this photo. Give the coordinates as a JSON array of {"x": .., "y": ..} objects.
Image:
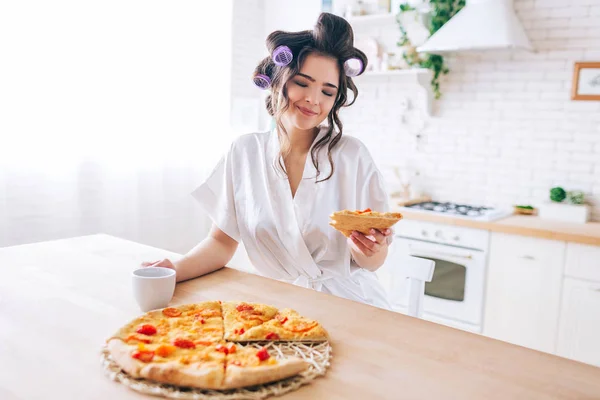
[{"x": 427, "y": 253}]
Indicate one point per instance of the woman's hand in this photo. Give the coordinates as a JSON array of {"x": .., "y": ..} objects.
[
  {"x": 165, "y": 263},
  {"x": 372, "y": 244}
]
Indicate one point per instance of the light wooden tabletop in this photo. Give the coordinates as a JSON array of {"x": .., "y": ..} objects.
[{"x": 59, "y": 301}]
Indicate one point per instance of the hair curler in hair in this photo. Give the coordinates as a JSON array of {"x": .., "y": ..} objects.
[
  {"x": 262, "y": 81},
  {"x": 353, "y": 67},
  {"x": 282, "y": 56}
]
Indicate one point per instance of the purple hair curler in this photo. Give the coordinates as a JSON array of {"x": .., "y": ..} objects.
[
  {"x": 282, "y": 56},
  {"x": 262, "y": 81},
  {"x": 353, "y": 67}
]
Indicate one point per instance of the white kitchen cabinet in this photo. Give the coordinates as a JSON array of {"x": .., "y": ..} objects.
[
  {"x": 579, "y": 329},
  {"x": 583, "y": 261},
  {"x": 523, "y": 290}
]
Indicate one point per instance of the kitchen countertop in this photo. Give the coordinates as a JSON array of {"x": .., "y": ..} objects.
[
  {"x": 61, "y": 299},
  {"x": 526, "y": 225}
]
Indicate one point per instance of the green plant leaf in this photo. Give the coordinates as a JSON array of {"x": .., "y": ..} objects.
[
  {"x": 525, "y": 207},
  {"x": 441, "y": 12},
  {"x": 557, "y": 194}
]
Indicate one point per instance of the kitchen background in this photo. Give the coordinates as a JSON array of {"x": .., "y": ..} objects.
[
  {"x": 108, "y": 130},
  {"x": 505, "y": 130}
]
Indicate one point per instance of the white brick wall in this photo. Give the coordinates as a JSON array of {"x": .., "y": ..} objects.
[{"x": 505, "y": 130}]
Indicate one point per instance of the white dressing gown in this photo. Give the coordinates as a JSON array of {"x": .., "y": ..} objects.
[{"x": 287, "y": 238}]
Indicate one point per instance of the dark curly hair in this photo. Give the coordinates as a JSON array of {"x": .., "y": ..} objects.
[{"x": 332, "y": 36}]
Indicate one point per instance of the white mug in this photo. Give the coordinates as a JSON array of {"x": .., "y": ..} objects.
[{"x": 153, "y": 287}]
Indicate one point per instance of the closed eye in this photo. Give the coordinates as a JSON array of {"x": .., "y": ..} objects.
[{"x": 305, "y": 85}]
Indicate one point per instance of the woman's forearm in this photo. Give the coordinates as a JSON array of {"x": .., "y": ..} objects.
[
  {"x": 209, "y": 255},
  {"x": 371, "y": 263}
]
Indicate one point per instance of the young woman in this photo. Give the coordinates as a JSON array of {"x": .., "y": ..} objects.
[{"x": 274, "y": 191}]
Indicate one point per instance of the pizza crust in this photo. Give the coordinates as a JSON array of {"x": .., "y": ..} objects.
[
  {"x": 203, "y": 376},
  {"x": 347, "y": 221},
  {"x": 237, "y": 377},
  {"x": 200, "y": 375},
  {"x": 121, "y": 353}
]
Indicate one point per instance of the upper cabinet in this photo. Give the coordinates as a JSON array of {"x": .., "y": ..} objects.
[{"x": 523, "y": 290}]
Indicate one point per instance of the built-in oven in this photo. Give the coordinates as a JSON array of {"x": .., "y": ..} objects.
[{"x": 455, "y": 296}]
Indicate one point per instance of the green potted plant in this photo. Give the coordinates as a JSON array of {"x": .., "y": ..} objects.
[
  {"x": 565, "y": 206},
  {"x": 440, "y": 12}
]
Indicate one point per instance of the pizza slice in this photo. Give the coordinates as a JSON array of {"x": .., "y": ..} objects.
[
  {"x": 363, "y": 221},
  {"x": 195, "y": 322},
  {"x": 248, "y": 366},
  {"x": 201, "y": 321},
  {"x": 242, "y": 321},
  {"x": 259, "y": 322},
  {"x": 288, "y": 325},
  {"x": 182, "y": 363},
  {"x": 176, "y": 345}
]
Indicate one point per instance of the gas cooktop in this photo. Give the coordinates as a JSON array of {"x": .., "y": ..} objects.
[{"x": 467, "y": 211}]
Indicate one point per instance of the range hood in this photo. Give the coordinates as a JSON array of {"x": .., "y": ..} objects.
[{"x": 480, "y": 25}]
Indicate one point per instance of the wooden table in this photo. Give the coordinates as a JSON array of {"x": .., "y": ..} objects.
[{"x": 59, "y": 300}]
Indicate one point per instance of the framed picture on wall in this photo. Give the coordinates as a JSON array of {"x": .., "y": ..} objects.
[{"x": 586, "y": 81}]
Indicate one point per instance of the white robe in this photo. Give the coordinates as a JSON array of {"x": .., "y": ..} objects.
[{"x": 287, "y": 238}]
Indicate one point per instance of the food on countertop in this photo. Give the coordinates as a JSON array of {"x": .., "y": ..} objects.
[{"x": 525, "y": 210}]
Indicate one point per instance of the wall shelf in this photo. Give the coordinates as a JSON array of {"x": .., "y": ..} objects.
[
  {"x": 384, "y": 18},
  {"x": 398, "y": 72},
  {"x": 420, "y": 77}
]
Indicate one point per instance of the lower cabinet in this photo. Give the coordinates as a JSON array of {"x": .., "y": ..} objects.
[
  {"x": 579, "y": 331},
  {"x": 523, "y": 293},
  {"x": 579, "y": 327}
]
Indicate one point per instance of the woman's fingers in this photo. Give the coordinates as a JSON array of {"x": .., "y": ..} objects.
[
  {"x": 165, "y": 263},
  {"x": 148, "y": 264},
  {"x": 366, "y": 245},
  {"x": 379, "y": 235},
  {"x": 361, "y": 247}
]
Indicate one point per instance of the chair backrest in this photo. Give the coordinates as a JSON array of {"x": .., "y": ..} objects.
[{"x": 418, "y": 271}]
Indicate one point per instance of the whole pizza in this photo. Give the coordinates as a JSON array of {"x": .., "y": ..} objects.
[{"x": 200, "y": 345}]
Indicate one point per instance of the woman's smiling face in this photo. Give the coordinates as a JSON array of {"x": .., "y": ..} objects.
[{"x": 312, "y": 92}]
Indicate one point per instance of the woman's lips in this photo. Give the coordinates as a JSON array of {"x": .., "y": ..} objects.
[{"x": 306, "y": 111}]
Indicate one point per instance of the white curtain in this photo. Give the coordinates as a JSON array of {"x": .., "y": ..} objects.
[{"x": 111, "y": 113}]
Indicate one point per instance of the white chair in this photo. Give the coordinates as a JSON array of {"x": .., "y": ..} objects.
[{"x": 418, "y": 271}]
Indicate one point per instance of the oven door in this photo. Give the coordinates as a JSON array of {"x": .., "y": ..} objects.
[{"x": 456, "y": 290}]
